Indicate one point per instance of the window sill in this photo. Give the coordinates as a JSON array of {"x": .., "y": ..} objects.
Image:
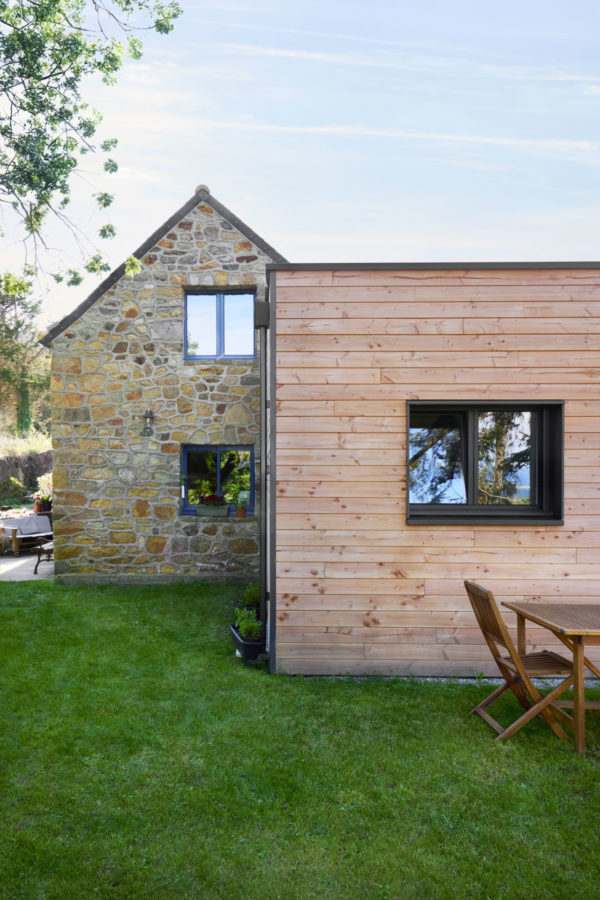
[
  {"x": 495, "y": 521},
  {"x": 213, "y": 516}
]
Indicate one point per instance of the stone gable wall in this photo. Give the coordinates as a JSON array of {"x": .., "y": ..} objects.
[{"x": 116, "y": 492}]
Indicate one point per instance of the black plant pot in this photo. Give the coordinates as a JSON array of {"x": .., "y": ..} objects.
[{"x": 248, "y": 650}]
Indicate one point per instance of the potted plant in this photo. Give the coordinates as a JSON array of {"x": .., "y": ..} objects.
[
  {"x": 43, "y": 494},
  {"x": 237, "y": 495},
  {"x": 247, "y": 634},
  {"x": 251, "y": 596},
  {"x": 37, "y": 502},
  {"x": 212, "y": 505}
]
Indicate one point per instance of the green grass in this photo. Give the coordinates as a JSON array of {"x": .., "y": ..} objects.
[{"x": 140, "y": 759}]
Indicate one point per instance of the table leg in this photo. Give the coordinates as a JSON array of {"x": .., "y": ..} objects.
[
  {"x": 521, "y": 642},
  {"x": 578, "y": 694}
]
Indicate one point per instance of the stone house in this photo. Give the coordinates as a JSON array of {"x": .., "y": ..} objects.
[{"x": 155, "y": 398}]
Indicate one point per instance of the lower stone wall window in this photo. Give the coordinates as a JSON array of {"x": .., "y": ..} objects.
[
  {"x": 217, "y": 471},
  {"x": 485, "y": 463}
]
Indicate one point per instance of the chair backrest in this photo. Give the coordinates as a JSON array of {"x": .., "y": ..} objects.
[{"x": 488, "y": 617}]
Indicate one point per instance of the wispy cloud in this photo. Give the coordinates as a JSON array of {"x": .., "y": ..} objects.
[
  {"x": 423, "y": 63},
  {"x": 545, "y": 145}
]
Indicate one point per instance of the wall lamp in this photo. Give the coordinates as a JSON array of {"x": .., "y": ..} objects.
[{"x": 148, "y": 421}]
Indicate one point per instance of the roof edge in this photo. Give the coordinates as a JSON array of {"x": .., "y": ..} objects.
[
  {"x": 200, "y": 196},
  {"x": 421, "y": 266}
]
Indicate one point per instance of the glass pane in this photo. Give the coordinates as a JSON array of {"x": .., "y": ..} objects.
[
  {"x": 201, "y": 474},
  {"x": 436, "y": 457},
  {"x": 505, "y": 458},
  {"x": 201, "y": 325},
  {"x": 235, "y": 474},
  {"x": 238, "y": 327}
]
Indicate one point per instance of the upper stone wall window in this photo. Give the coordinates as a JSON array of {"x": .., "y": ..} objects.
[{"x": 219, "y": 325}]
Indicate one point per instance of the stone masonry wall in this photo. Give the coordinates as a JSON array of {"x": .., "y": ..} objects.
[{"x": 117, "y": 493}]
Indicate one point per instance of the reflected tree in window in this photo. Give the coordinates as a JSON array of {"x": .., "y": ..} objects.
[
  {"x": 505, "y": 457},
  {"x": 437, "y": 458}
]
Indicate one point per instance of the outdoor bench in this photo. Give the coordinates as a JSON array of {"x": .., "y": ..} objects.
[{"x": 24, "y": 533}]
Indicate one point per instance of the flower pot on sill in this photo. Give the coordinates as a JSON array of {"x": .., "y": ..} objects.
[
  {"x": 204, "y": 509},
  {"x": 240, "y": 512},
  {"x": 247, "y": 650}
]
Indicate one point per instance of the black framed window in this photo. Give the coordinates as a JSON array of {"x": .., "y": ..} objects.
[
  {"x": 485, "y": 462},
  {"x": 219, "y": 325},
  {"x": 217, "y": 471}
]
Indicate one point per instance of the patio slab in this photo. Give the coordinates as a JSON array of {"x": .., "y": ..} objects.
[{"x": 21, "y": 568}]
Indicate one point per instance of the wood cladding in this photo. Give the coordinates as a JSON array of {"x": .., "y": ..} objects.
[{"x": 359, "y": 590}]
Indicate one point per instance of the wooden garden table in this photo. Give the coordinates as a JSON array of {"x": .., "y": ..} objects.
[{"x": 575, "y": 624}]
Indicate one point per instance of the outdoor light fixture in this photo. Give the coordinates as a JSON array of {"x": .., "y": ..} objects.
[{"x": 148, "y": 420}]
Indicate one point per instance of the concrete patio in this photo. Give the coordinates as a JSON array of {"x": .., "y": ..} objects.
[{"x": 20, "y": 568}]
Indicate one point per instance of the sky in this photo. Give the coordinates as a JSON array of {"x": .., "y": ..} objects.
[{"x": 367, "y": 132}]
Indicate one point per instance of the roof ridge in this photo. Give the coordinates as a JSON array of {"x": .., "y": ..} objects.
[{"x": 202, "y": 194}]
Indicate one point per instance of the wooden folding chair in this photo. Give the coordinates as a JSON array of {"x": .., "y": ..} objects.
[{"x": 518, "y": 670}]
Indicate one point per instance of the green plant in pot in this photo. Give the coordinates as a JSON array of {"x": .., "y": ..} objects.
[
  {"x": 247, "y": 634},
  {"x": 238, "y": 495},
  {"x": 251, "y": 595}
]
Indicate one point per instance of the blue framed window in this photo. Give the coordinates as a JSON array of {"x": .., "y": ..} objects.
[
  {"x": 219, "y": 325},
  {"x": 217, "y": 470}
]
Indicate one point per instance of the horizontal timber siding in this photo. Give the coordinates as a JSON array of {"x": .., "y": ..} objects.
[{"x": 359, "y": 590}]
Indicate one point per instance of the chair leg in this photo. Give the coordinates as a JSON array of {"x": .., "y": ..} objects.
[
  {"x": 528, "y": 703},
  {"x": 539, "y": 709}
]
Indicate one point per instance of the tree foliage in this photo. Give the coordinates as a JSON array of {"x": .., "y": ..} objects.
[
  {"x": 24, "y": 363},
  {"x": 47, "y": 49}
]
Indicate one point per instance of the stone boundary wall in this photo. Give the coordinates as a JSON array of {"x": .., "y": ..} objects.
[
  {"x": 116, "y": 492},
  {"x": 26, "y": 468}
]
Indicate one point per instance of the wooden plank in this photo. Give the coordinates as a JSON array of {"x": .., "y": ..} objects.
[
  {"x": 410, "y": 277},
  {"x": 558, "y": 537},
  {"x": 449, "y": 668},
  {"x": 454, "y": 343},
  {"x": 413, "y": 537},
  {"x": 352, "y": 586},
  {"x": 303, "y": 278},
  {"x": 537, "y": 588},
  {"x": 565, "y": 556},
  {"x": 372, "y": 326},
  {"x": 343, "y": 490},
  {"x": 450, "y": 300},
  {"x": 312, "y": 359},
  {"x": 304, "y": 407},
  {"x": 316, "y": 635},
  {"x": 533, "y": 326},
  {"x": 335, "y": 521},
  {"x": 472, "y": 570},
  {"x": 300, "y": 474},
  {"x": 346, "y": 505},
  {"x": 385, "y": 618},
  {"x": 291, "y": 423},
  {"x": 322, "y": 456},
  {"x": 416, "y": 375},
  {"x": 328, "y": 376},
  {"x": 349, "y": 440}
]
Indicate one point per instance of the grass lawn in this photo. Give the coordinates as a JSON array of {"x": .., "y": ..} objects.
[{"x": 140, "y": 759}]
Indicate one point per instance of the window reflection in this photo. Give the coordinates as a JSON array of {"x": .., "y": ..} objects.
[
  {"x": 505, "y": 458},
  {"x": 437, "y": 453}
]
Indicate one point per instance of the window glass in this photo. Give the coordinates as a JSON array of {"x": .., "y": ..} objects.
[
  {"x": 436, "y": 466},
  {"x": 201, "y": 325},
  {"x": 238, "y": 329},
  {"x": 202, "y": 474},
  {"x": 217, "y": 471},
  {"x": 505, "y": 458},
  {"x": 235, "y": 473}
]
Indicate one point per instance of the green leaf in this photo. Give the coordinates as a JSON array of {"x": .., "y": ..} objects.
[
  {"x": 132, "y": 266},
  {"x": 107, "y": 231}
]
